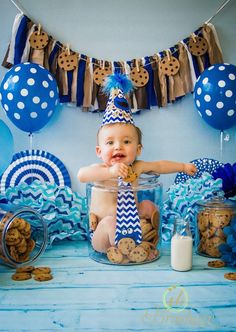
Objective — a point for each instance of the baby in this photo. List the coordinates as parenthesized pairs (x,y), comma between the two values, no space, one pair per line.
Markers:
(118,146)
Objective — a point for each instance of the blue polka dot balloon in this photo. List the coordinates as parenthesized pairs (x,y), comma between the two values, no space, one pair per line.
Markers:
(29,96)
(215,96)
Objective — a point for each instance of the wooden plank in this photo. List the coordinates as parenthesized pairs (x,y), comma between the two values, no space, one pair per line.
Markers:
(74,271)
(87,296)
(113,297)
(75,277)
(68,253)
(117,320)
(65,261)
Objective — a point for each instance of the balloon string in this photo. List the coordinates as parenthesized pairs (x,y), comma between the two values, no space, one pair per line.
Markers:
(30,141)
(31,152)
(221,145)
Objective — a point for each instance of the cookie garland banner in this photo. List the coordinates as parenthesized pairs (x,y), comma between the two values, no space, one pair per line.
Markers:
(160,79)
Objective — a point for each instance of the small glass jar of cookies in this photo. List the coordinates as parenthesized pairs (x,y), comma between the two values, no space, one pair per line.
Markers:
(113,233)
(23,235)
(212,217)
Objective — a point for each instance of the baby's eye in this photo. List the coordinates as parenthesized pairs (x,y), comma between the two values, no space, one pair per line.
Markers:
(127,141)
(109,142)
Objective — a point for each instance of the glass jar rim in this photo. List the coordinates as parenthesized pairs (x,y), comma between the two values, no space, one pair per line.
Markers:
(217,202)
(145,181)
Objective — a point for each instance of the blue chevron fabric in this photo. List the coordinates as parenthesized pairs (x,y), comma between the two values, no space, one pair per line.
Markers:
(63,210)
(127,219)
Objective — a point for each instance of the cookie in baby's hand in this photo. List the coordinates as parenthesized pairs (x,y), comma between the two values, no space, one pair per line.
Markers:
(132,176)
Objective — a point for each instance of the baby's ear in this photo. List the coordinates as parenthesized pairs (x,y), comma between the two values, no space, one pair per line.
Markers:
(139,149)
(98,151)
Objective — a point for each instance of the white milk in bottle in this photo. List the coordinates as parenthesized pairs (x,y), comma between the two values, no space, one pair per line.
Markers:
(181,246)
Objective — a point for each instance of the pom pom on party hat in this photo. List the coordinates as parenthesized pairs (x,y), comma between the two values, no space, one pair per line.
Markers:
(117,109)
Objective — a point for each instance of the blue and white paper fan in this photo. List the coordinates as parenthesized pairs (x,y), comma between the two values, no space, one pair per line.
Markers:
(30,165)
(203,165)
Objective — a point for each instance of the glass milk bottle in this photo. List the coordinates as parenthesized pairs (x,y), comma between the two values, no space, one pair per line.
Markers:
(181,246)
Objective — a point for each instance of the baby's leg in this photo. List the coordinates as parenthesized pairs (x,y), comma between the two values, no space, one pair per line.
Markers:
(146,209)
(104,235)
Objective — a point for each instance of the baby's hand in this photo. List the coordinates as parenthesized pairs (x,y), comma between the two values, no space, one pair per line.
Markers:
(190,169)
(119,170)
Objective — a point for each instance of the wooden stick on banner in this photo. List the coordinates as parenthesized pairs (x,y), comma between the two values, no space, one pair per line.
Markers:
(39,29)
(193,36)
(68,49)
(137,65)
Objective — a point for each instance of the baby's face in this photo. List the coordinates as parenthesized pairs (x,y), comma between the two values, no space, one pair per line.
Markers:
(118,143)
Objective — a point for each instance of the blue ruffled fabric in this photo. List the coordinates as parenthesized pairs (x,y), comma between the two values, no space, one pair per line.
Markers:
(182,201)
(228,175)
(63,210)
(228,249)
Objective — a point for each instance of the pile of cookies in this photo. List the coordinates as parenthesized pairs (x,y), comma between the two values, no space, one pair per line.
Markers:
(210,227)
(18,239)
(127,252)
(27,272)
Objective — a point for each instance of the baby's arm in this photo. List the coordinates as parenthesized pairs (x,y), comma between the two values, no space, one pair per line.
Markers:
(102,172)
(165,167)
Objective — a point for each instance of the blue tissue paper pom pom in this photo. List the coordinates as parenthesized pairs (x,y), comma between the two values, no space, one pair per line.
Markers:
(117,81)
(228,249)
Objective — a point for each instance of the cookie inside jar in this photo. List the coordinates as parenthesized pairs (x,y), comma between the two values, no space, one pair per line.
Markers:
(121,245)
(23,236)
(212,217)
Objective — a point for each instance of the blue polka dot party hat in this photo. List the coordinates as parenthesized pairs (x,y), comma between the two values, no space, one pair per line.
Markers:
(118,111)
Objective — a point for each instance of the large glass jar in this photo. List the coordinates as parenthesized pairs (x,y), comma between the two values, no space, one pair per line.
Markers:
(23,236)
(102,222)
(212,217)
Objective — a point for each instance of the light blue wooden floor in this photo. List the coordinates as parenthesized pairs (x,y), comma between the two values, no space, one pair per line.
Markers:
(88,296)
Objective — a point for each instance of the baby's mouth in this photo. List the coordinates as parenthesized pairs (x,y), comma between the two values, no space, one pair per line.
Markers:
(118,156)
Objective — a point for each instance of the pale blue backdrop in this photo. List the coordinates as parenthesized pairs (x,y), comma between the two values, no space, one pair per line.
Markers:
(122,30)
